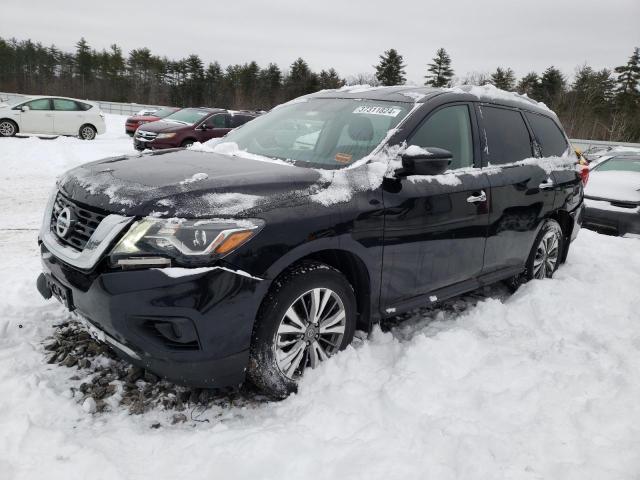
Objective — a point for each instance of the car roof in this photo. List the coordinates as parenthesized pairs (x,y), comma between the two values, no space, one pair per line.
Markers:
(414,94)
(36,97)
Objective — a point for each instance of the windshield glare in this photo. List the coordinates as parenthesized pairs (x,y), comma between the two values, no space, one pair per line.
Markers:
(188,115)
(325,132)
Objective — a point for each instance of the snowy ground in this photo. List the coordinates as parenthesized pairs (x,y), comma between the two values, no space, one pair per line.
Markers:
(541,384)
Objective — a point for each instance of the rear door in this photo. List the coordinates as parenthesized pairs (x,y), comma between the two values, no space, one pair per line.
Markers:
(552,144)
(435,226)
(522,192)
(39,117)
(68,116)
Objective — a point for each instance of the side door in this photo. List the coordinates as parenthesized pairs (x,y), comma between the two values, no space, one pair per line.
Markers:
(213,127)
(552,143)
(38,118)
(522,192)
(435,226)
(68,117)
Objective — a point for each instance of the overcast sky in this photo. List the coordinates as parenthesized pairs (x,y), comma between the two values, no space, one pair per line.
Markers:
(345,34)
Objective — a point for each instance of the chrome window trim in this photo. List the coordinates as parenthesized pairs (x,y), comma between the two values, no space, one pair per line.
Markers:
(96,246)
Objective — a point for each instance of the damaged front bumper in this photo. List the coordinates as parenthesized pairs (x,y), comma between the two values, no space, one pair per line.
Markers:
(193,330)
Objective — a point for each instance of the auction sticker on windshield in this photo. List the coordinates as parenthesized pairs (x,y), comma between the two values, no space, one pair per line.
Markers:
(372,110)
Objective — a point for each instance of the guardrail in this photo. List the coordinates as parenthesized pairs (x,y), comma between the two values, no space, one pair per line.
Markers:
(107,107)
(585,145)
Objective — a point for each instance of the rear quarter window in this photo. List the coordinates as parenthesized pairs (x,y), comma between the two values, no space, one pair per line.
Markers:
(237,120)
(550,137)
(507,136)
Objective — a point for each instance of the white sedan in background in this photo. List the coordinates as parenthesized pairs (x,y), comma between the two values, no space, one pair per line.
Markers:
(51,116)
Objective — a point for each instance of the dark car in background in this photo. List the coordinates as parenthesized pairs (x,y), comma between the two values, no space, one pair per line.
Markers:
(262,258)
(132,123)
(612,197)
(189,125)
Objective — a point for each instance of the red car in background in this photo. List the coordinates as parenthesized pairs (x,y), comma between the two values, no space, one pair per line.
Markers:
(135,121)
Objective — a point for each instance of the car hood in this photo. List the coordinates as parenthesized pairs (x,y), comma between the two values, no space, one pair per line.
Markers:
(187,183)
(143,118)
(614,186)
(165,126)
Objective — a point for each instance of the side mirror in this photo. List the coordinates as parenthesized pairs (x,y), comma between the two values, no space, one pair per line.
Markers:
(25,108)
(204,126)
(425,161)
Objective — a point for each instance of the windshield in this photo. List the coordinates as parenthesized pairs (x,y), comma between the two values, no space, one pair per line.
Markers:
(163,112)
(326,132)
(188,116)
(623,164)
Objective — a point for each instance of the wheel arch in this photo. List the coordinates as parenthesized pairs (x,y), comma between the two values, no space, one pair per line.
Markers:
(347,263)
(12,120)
(566,223)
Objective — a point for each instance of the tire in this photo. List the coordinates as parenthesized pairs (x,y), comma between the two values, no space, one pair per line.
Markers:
(285,342)
(187,143)
(87,132)
(8,128)
(545,256)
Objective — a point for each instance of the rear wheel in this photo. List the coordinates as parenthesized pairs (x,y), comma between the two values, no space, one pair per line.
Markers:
(8,128)
(544,257)
(310,316)
(87,132)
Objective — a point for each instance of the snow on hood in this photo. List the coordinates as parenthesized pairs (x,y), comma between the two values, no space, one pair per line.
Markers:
(614,185)
(186,183)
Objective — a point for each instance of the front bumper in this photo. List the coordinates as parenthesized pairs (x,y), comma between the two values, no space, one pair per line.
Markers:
(193,330)
(155,144)
(603,217)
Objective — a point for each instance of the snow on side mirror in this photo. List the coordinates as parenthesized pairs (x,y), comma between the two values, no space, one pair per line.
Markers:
(424,161)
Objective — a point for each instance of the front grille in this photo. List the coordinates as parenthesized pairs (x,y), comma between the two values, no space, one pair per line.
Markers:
(146,135)
(84,222)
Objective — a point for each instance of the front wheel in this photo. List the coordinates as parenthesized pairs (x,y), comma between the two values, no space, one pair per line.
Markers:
(8,128)
(310,316)
(87,132)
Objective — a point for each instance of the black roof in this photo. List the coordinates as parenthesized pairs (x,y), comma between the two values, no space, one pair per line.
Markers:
(412,94)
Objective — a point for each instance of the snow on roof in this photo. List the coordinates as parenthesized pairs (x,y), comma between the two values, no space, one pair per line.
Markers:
(490,93)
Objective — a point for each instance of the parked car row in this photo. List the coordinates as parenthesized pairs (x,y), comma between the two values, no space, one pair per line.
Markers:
(186,126)
(51,116)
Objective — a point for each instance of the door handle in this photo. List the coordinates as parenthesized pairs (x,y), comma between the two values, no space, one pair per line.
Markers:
(477,198)
(548,183)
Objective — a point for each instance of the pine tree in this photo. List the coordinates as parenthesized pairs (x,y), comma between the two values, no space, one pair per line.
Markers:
(528,85)
(440,70)
(301,80)
(629,75)
(551,87)
(84,64)
(504,79)
(390,70)
(329,79)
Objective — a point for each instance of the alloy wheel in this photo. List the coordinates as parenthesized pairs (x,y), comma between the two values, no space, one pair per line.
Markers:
(7,129)
(547,253)
(87,133)
(310,331)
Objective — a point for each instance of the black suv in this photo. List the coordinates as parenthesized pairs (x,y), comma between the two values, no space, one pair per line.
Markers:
(262,257)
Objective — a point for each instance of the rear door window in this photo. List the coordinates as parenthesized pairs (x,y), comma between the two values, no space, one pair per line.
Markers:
(237,120)
(507,137)
(64,104)
(448,128)
(551,139)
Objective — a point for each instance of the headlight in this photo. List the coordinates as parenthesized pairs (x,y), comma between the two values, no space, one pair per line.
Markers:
(166,135)
(160,242)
